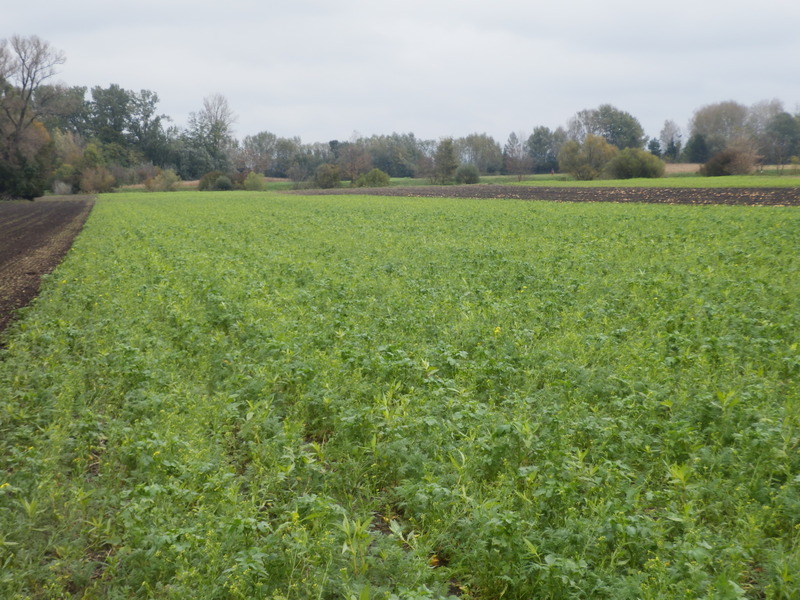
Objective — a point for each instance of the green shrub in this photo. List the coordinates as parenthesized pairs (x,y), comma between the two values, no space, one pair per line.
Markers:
(327,176)
(586,160)
(375,178)
(165,180)
(24,177)
(223,183)
(209,180)
(254,182)
(68,174)
(634,162)
(468,174)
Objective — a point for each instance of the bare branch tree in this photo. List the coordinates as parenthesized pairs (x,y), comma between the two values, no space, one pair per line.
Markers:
(25,64)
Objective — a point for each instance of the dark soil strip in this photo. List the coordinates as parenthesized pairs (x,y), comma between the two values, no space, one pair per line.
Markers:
(697,196)
(34,238)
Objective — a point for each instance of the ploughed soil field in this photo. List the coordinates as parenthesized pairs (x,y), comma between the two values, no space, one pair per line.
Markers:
(733,196)
(34,237)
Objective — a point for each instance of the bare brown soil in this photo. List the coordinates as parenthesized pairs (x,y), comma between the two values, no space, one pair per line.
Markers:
(34,237)
(697,196)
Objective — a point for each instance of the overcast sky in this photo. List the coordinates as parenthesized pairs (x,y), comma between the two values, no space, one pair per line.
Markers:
(323,70)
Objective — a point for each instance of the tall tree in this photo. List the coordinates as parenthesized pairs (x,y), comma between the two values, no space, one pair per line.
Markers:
(396,154)
(445,161)
(516,159)
(586,160)
(782,137)
(110,110)
(697,150)
(654,147)
(353,158)
(146,127)
(25,145)
(543,147)
(759,116)
(209,137)
(127,124)
(257,152)
(69,109)
(287,151)
(617,127)
(722,124)
(482,151)
(25,64)
(670,138)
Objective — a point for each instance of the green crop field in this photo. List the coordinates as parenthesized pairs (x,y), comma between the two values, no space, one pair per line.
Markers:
(255,395)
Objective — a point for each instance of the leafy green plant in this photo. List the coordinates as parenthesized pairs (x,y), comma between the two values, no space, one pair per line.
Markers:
(165,180)
(634,162)
(353,395)
(467,174)
(586,160)
(209,180)
(327,176)
(373,178)
(223,183)
(254,182)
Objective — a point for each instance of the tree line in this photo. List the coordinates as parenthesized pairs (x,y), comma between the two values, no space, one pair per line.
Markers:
(71,139)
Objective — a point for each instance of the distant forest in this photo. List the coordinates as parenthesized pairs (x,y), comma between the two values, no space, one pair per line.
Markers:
(75,139)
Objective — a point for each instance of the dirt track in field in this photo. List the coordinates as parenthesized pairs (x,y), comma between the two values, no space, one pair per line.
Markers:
(34,237)
(696,196)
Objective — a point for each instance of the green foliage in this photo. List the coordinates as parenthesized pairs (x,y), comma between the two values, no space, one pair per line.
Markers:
(348,396)
(25,177)
(223,183)
(481,150)
(165,180)
(445,162)
(783,138)
(209,180)
(654,147)
(633,163)
(544,146)
(207,143)
(254,182)
(696,149)
(721,124)
(615,126)
(586,160)
(126,123)
(374,178)
(468,174)
(516,159)
(728,162)
(327,176)
(92,157)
